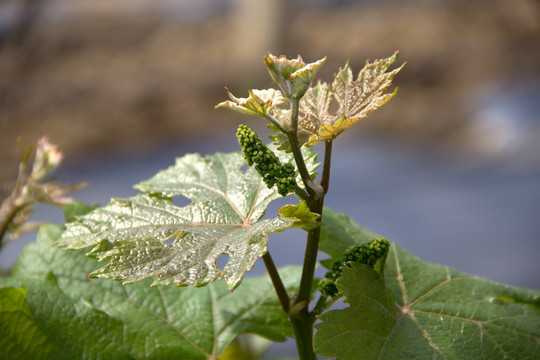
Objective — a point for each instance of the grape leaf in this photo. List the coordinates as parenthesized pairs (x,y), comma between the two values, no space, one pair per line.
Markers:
(355,99)
(340,233)
(223,219)
(426,311)
(305,219)
(22,337)
(259,102)
(81,318)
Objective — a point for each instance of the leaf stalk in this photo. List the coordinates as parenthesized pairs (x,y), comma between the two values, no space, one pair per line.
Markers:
(292,135)
(283,297)
(275,122)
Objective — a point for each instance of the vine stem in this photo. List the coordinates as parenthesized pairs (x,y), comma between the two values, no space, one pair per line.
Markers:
(9,209)
(275,122)
(302,320)
(312,246)
(298,310)
(276,281)
(325,180)
(295,147)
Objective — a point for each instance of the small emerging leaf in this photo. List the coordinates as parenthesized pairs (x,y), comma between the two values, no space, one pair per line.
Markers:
(259,102)
(355,99)
(46,160)
(281,141)
(305,219)
(292,75)
(18,200)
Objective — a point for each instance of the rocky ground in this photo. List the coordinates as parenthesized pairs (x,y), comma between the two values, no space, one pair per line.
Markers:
(99,79)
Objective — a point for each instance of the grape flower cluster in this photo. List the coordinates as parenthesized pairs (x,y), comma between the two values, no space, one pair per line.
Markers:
(266,162)
(367,253)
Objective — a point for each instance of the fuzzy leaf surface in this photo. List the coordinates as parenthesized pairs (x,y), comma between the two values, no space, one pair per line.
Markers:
(355,99)
(426,311)
(259,102)
(82,318)
(148,236)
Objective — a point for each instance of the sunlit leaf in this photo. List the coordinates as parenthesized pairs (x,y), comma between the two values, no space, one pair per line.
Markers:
(305,219)
(354,99)
(292,75)
(148,236)
(259,102)
(315,107)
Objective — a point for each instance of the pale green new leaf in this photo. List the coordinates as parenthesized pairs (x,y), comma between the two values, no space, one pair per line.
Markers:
(149,236)
(293,76)
(315,106)
(305,219)
(355,99)
(425,311)
(281,141)
(67,316)
(259,102)
(301,79)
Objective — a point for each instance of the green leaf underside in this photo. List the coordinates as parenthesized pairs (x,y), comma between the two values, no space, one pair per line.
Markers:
(426,311)
(72,317)
(148,236)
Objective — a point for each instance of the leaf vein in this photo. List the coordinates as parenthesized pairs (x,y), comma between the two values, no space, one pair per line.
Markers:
(128,299)
(483,331)
(398,319)
(435,288)
(426,336)
(399,277)
(245,311)
(476,322)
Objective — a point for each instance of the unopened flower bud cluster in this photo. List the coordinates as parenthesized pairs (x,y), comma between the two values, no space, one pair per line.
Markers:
(368,253)
(266,162)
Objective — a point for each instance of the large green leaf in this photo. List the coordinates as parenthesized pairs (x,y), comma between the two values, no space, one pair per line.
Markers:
(426,311)
(21,336)
(69,316)
(223,219)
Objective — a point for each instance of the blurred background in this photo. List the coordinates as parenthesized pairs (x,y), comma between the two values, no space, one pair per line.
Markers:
(449,169)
